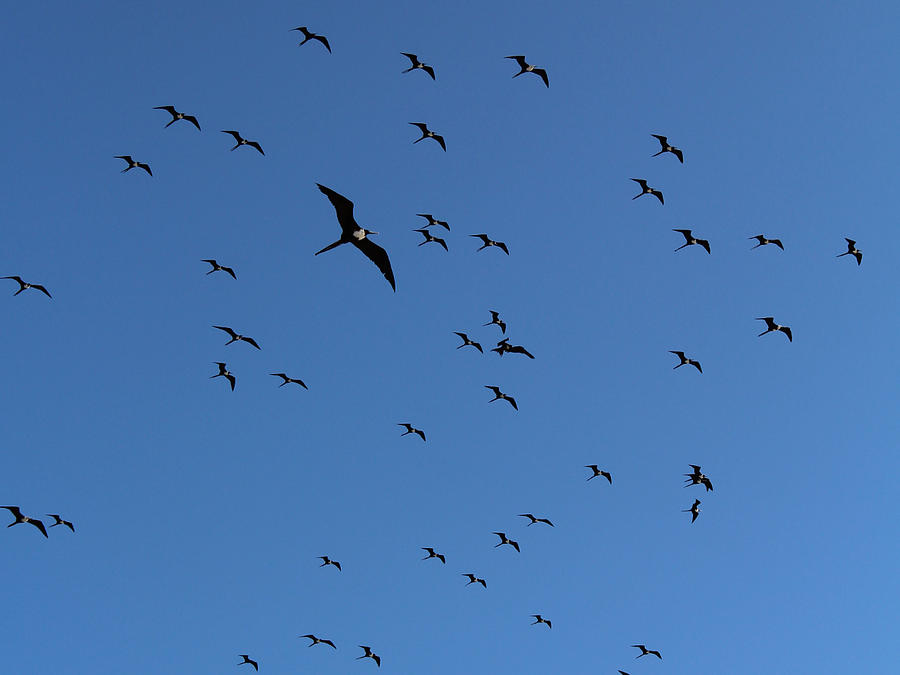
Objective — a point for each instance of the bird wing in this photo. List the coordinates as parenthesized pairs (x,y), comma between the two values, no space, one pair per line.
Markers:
(343,207)
(512,402)
(777,242)
(518,59)
(607,475)
(324,41)
(169,108)
(231,272)
(704,243)
(227,330)
(685,233)
(429,70)
(515,545)
(145,167)
(543,75)
(787,331)
(420,432)
(441,242)
(663,141)
(440,139)
(251,341)
(640,181)
(40,525)
(13,510)
(696,364)
(422,126)
(502,247)
(193,120)
(658,195)
(300,382)
(412,58)
(231,379)
(254,144)
(42,289)
(678,154)
(237,136)
(378,256)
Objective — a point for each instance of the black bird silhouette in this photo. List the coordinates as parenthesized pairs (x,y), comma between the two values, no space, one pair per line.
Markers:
(496,320)
(622,672)
(247,659)
(177,116)
(317,641)
(690,240)
(132,164)
(329,561)
(25,286)
(772,326)
(852,250)
(432,221)
(694,511)
(351,233)
(240,140)
(307,36)
(237,338)
(539,619)
(696,477)
(597,472)
(223,372)
(645,651)
(418,64)
(430,237)
(535,520)
(410,429)
(761,238)
(60,521)
(433,554)
(664,142)
(500,395)
(370,654)
(506,540)
(685,361)
(503,347)
(526,68)
(473,579)
(216,267)
(19,518)
(288,380)
(467,342)
(487,241)
(426,133)
(647,190)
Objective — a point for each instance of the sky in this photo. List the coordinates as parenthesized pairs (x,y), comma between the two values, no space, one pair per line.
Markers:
(200,512)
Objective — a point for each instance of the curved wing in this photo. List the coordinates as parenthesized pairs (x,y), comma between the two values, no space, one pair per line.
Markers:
(374,253)
(343,207)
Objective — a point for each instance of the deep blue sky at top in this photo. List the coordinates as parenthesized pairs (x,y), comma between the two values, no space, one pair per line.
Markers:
(200,511)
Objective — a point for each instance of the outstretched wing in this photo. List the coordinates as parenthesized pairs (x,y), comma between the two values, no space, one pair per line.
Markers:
(344,209)
(376,254)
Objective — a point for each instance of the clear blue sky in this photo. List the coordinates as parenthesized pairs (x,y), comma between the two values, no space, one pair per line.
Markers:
(200,511)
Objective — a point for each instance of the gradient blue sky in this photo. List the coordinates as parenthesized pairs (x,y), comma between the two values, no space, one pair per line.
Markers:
(200,512)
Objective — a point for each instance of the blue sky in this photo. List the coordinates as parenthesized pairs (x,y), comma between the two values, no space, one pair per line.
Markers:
(200,511)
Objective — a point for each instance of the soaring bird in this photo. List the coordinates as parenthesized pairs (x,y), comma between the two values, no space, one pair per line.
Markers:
(694,511)
(351,233)
(430,237)
(25,286)
(432,221)
(539,619)
(647,190)
(622,672)
(318,641)
(664,143)
(237,338)
(597,472)
(433,554)
(498,395)
(772,326)
(240,140)
(496,320)
(19,518)
(852,250)
(645,651)
(487,241)
(690,240)
(329,561)
(506,540)
(223,372)
(60,521)
(216,267)
(247,659)
(307,36)
(410,429)
(177,116)
(761,238)
(685,361)
(418,64)
(427,133)
(503,347)
(370,654)
(535,520)
(526,68)
(133,164)
(288,380)
(473,580)
(467,342)
(696,477)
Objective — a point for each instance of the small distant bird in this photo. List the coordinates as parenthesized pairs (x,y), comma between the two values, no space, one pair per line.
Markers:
(60,521)
(329,561)
(761,238)
(473,579)
(690,240)
(247,659)
(426,133)
(506,540)
(772,326)
(216,267)
(685,361)
(852,250)
(224,373)
(526,68)
(487,241)
(410,429)
(664,142)
(597,472)
(498,395)
(496,320)
(622,672)
(503,347)
(25,286)
(696,477)
(430,237)
(318,641)
(370,654)
(307,36)
(647,190)
(645,651)
(535,520)
(132,164)
(539,619)
(467,342)
(418,64)
(177,116)
(237,338)
(432,221)
(240,140)
(694,511)
(288,380)
(433,554)
(19,518)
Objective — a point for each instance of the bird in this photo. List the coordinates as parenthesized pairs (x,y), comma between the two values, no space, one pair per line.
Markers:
(500,395)
(370,654)
(329,561)
(351,233)
(427,133)
(132,164)
(433,554)
(177,116)
(247,659)
(307,36)
(430,237)
(664,143)
(645,651)
(223,372)
(467,342)
(25,286)
(772,326)
(410,429)
(496,320)
(597,472)
(19,518)
(698,478)
(535,520)
(288,380)
(504,347)
(852,250)
(418,64)
(539,619)
(685,361)
(216,267)
(60,521)
(434,221)
(690,240)
(316,641)
(240,140)
(506,540)
(694,511)
(487,241)
(622,672)
(526,68)
(647,190)
(761,238)
(237,338)
(473,579)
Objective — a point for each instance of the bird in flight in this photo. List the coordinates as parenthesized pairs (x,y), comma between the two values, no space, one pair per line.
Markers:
(696,477)
(132,164)
(467,342)
(504,347)
(526,68)
(19,518)
(432,221)
(240,140)
(645,651)
(223,372)
(60,521)
(647,190)
(473,580)
(351,233)
(307,36)
(427,133)
(288,380)
(694,511)
(370,654)
(317,641)
(329,561)
(418,64)
(430,237)
(487,241)
(498,395)
(496,320)
(433,554)
(685,361)
(664,143)
(177,116)
(25,286)
(247,659)
(506,540)
(237,338)
(410,429)
(772,326)
(852,250)
(597,472)
(535,520)
(690,240)
(539,619)
(761,238)
(216,267)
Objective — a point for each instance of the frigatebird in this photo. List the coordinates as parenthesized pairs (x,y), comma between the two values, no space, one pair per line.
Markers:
(664,143)
(329,561)
(691,240)
(526,68)
(25,286)
(351,233)
(539,619)
(223,372)
(288,380)
(504,347)
(696,477)
(177,116)
(60,521)
(496,320)
(852,250)
(237,338)
(772,326)
(647,190)
(318,641)
(498,395)
(473,579)
(410,429)
(506,540)
(761,238)
(133,164)
(427,133)
(487,241)
(216,267)
(307,36)
(432,221)
(685,361)
(240,140)
(430,237)
(694,511)
(467,342)
(370,654)
(597,472)
(433,554)
(20,518)
(535,520)
(418,64)
(645,651)
(247,659)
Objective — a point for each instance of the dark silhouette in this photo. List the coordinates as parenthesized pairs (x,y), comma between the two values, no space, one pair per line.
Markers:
(473,579)
(216,267)
(329,561)
(426,133)
(418,64)
(410,429)
(247,659)
(647,190)
(20,518)
(430,237)
(664,143)
(240,140)
(535,520)
(852,250)
(696,477)
(133,164)
(223,372)
(694,511)
(467,342)
(23,286)
(539,619)
(432,221)
(307,36)
(763,241)
(433,554)
(60,521)
(177,116)
(318,641)
(772,326)
(685,361)
(487,241)
(691,240)
(506,540)
(597,472)
(498,395)
(370,654)
(503,347)
(526,68)
(645,651)
(288,380)
(237,338)
(495,316)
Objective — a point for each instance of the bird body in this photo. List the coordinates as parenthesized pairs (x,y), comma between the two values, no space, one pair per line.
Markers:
(645,651)
(240,140)
(473,580)
(852,250)
(318,641)
(433,554)
(427,133)
(534,520)
(416,64)
(696,477)
(597,472)
(685,361)
(307,36)
(177,116)
(772,326)
(288,380)
(467,342)
(223,372)
(370,654)
(432,221)
(762,241)
(503,347)
(60,521)
(498,395)
(430,237)
(21,518)
(23,286)
(236,337)
(528,68)
(410,429)
(506,540)
(216,267)
(694,511)
(487,241)
(132,164)
(329,561)
(495,319)
(647,190)
(665,147)
(539,619)
(691,240)
(247,659)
